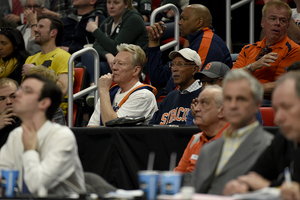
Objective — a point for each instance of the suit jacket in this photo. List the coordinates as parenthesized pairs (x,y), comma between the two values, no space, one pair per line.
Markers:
(204,178)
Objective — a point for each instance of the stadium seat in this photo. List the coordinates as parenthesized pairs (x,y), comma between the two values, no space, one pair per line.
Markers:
(79,84)
(268,115)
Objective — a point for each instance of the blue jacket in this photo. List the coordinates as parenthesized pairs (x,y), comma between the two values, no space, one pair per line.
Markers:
(214,50)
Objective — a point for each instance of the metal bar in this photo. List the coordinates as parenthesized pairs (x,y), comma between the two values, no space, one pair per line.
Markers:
(176,44)
(239,4)
(251,22)
(70,80)
(228,25)
(230,8)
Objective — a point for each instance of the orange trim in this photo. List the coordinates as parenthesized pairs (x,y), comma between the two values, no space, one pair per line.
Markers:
(127,96)
(205,44)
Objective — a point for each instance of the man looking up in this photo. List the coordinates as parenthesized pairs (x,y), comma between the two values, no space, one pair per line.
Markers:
(195,25)
(210,118)
(129,97)
(44,153)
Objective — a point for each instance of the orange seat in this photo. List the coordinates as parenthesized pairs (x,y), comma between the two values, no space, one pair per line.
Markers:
(79,84)
(268,115)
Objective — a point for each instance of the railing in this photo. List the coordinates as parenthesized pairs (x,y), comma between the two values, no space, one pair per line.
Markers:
(72,97)
(230,8)
(175,43)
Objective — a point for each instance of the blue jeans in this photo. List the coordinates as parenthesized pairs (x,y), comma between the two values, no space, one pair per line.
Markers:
(88,61)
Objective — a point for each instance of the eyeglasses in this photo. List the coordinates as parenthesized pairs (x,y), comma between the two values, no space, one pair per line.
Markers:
(30,7)
(26,90)
(210,81)
(180,64)
(4,29)
(263,52)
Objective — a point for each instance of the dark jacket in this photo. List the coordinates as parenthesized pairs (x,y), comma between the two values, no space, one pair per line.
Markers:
(75,36)
(131,30)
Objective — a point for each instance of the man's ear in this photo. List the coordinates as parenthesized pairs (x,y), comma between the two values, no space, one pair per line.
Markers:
(199,22)
(45,103)
(221,112)
(53,33)
(93,2)
(196,69)
(136,70)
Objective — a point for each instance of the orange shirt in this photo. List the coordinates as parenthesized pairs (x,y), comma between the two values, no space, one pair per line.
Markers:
(190,156)
(288,52)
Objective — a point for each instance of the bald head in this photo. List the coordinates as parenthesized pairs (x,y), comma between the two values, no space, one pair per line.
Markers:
(202,11)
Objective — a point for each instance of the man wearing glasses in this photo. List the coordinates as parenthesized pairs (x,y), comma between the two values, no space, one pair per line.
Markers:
(45,153)
(176,105)
(267,59)
(212,74)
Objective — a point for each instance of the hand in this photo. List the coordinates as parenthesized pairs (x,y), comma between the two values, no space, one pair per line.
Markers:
(110,59)
(92,26)
(290,192)
(45,11)
(234,187)
(13,17)
(29,137)
(104,82)
(170,13)
(255,181)
(146,19)
(7,118)
(156,31)
(25,68)
(65,48)
(30,16)
(264,61)
(193,105)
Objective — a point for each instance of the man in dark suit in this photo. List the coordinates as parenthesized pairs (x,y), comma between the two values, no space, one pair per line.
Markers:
(233,154)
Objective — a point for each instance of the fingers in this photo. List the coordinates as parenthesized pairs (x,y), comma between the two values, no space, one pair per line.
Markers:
(96,20)
(157,29)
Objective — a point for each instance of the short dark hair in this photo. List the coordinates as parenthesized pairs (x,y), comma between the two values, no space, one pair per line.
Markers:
(49,90)
(57,24)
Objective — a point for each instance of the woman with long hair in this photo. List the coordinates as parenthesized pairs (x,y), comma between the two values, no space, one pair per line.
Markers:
(12,53)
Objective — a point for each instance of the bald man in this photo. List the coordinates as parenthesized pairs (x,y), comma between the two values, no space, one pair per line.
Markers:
(196,26)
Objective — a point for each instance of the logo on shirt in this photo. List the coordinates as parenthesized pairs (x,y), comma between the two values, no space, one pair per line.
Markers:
(178,114)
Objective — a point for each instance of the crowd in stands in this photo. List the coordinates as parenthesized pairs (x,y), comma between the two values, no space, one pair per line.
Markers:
(201,86)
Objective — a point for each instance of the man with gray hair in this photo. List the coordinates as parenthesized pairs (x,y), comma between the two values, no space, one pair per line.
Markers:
(129,97)
(210,118)
(241,144)
(284,152)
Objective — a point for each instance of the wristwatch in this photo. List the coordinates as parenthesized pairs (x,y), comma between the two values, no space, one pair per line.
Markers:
(249,68)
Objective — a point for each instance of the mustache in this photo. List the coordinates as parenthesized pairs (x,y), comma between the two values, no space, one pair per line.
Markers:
(176,74)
